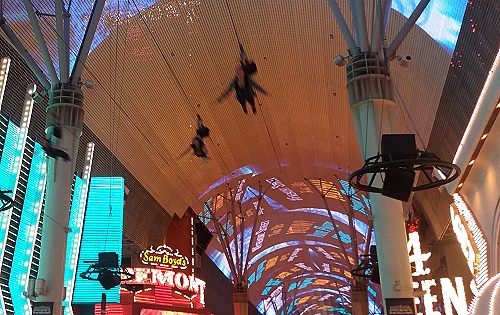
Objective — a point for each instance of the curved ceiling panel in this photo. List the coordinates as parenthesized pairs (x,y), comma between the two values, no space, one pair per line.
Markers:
(299,247)
(156,64)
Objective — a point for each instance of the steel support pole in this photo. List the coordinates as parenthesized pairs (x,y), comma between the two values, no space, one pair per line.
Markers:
(359,20)
(374,113)
(24,53)
(87,41)
(376,43)
(61,45)
(66,103)
(41,41)
(385,6)
(391,51)
(66,36)
(344,29)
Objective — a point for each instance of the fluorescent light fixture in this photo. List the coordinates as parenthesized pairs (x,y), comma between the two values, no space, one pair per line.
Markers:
(11,172)
(4,72)
(26,237)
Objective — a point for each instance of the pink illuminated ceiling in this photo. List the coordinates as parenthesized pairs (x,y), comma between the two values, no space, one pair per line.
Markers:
(155,65)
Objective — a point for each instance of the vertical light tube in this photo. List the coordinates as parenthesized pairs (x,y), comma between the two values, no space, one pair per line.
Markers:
(4,72)
(76,225)
(6,216)
(26,238)
(486,104)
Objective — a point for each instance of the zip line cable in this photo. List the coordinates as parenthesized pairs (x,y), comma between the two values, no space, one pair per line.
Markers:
(268,133)
(232,22)
(112,145)
(256,97)
(412,123)
(172,72)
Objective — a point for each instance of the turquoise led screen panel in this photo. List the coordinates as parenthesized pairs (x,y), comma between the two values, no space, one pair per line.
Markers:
(102,232)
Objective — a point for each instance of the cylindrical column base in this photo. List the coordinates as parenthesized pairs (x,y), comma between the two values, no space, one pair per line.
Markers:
(392,252)
(359,297)
(240,300)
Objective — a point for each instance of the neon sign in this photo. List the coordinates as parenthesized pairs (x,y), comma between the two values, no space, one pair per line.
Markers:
(160,277)
(451,298)
(471,240)
(164,256)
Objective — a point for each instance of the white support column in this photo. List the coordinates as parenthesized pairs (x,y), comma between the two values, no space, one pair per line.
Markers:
(66,104)
(76,224)
(374,113)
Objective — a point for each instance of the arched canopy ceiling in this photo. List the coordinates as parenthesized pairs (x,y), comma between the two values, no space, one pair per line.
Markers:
(156,64)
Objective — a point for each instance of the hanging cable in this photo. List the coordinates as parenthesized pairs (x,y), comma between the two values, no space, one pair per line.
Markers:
(269,133)
(171,70)
(234,26)
(167,64)
(409,116)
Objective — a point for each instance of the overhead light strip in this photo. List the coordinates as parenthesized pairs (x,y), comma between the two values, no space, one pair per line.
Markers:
(485,108)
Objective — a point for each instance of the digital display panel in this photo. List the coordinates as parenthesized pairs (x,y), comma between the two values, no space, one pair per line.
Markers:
(442,20)
(106,195)
(294,246)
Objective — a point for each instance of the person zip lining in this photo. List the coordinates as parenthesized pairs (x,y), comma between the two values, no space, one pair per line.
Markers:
(197,144)
(243,84)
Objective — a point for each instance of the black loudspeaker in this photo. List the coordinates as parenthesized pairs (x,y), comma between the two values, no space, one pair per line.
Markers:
(203,237)
(399,146)
(108,260)
(108,279)
(375,277)
(398,183)
(126,261)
